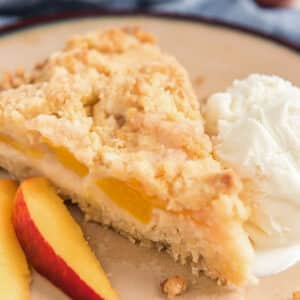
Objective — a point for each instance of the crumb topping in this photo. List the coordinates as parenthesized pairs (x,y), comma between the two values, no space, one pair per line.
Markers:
(124,108)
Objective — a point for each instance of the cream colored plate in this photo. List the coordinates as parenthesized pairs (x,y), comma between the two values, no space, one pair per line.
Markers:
(213,56)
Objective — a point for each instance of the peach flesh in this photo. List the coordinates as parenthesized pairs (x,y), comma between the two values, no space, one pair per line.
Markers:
(46,261)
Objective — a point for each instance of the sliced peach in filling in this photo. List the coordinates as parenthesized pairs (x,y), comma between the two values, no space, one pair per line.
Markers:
(128,197)
(30,151)
(68,159)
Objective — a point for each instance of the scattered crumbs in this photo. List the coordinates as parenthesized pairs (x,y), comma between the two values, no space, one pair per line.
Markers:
(132,240)
(174,286)
(199,80)
(87,218)
(296,295)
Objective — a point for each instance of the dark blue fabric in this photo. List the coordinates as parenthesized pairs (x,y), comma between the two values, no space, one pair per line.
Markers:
(281,22)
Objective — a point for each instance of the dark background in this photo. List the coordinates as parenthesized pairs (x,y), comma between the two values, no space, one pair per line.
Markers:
(282,22)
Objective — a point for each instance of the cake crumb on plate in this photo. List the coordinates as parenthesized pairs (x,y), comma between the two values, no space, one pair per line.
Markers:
(296,295)
(174,286)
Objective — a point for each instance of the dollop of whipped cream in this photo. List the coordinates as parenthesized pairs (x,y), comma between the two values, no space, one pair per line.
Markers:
(256,129)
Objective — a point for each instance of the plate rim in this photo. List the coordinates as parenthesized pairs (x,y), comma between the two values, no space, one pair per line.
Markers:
(31,22)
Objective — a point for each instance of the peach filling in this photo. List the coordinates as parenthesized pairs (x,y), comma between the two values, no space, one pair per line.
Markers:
(68,160)
(29,151)
(65,157)
(130,198)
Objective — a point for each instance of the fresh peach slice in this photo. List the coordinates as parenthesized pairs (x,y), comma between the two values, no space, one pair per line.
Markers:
(14,271)
(54,243)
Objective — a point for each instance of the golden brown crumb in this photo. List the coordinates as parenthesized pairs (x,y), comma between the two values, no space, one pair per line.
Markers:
(141,35)
(174,286)
(296,295)
(14,79)
(39,65)
(225,182)
(199,80)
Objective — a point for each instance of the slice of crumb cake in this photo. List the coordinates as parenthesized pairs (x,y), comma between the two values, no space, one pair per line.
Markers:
(114,124)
